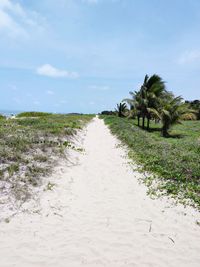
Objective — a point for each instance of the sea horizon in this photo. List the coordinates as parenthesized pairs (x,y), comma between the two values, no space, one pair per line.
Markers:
(8,112)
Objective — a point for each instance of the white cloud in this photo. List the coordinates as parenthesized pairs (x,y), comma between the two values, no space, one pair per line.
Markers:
(5,3)
(189,57)
(100,87)
(50,71)
(16,21)
(9,26)
(49,92)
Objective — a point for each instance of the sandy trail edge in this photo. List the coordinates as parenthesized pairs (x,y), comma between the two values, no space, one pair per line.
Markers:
(99,215)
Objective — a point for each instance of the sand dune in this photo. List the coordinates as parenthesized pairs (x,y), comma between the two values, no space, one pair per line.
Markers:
(99,215)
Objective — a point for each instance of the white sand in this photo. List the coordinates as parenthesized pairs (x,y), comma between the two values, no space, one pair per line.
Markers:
(99,215)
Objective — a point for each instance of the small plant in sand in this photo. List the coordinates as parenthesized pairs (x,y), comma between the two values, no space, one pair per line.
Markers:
(50,186)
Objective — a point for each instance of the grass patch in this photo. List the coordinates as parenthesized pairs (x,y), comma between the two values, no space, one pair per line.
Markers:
(29,146)
(2,117)
(175,159)
(33,114)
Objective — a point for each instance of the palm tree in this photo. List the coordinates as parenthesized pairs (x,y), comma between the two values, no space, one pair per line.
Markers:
(172,112)
(146,101)
(121,109)
(135,104)
(154,88)
(195,105)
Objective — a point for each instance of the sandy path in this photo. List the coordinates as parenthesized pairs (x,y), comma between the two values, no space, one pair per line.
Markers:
(98,215)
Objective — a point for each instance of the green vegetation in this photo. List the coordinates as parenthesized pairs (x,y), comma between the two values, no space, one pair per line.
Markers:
(166,143)
(30,144)
(175,160)
(195,105)
(154,102)
(107,112)
(33,114)
(2,117)
(121,109)
(171,112)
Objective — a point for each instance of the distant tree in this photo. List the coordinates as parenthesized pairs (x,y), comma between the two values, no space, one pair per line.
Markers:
(146,101)
(155,91)
(121,109)
(107,112)
(153,101)
(195,105)
(172,112)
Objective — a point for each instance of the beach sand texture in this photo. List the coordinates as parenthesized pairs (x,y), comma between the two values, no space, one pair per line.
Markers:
(99,215)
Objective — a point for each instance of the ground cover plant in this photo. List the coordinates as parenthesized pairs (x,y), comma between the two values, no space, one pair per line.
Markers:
(33,114)
(175,160)
(29,145)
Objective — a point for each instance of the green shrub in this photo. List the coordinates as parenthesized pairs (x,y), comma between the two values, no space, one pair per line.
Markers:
(33,114)
(2,117)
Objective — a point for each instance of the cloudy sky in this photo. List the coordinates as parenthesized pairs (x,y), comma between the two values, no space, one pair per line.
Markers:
(86,55)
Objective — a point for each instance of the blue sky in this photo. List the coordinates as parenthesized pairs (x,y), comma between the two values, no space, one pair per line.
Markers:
(86,55)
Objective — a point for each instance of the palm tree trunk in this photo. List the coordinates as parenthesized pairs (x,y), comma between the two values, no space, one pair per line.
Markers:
(148,123)
(165,132)
(143,122)
(138,118)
